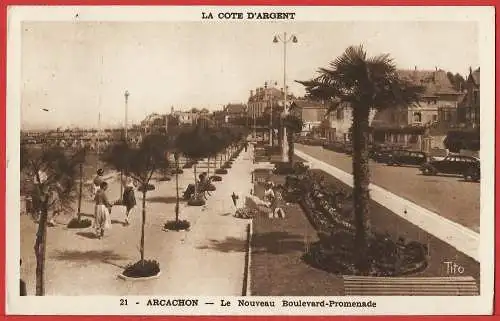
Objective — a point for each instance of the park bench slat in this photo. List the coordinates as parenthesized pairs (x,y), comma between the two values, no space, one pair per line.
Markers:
(415,286)
(420,279)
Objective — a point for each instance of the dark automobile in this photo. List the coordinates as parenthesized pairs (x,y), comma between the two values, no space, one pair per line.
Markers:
(406,157)
(466,166)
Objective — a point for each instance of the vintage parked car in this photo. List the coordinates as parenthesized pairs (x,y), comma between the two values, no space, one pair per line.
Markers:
(466,166)
(380,152)
(406,157)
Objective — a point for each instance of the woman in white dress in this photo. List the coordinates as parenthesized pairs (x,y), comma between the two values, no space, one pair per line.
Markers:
(103,210)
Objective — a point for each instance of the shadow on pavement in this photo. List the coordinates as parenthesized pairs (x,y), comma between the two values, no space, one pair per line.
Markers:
(230,244)
(93,255)
(278,243)
(164,199)
(89,235)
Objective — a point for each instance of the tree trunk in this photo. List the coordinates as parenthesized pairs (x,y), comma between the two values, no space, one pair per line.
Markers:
(195,183)
(143,221)
(290,147)
(80,193)
(177,192)
(40,247)
(361,173)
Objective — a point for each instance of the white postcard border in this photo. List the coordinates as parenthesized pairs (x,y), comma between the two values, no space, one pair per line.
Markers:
(108,305)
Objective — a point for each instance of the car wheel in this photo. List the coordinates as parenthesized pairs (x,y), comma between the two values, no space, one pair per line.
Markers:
(428,171)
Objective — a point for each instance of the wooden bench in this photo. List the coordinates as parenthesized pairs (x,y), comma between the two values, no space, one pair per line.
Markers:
(410,286)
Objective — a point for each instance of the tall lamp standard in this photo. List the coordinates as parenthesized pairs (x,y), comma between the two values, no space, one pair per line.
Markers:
(127,94)
(125,134)
(285,40)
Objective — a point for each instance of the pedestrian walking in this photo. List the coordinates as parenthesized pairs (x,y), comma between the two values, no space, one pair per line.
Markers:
(102,211)
(55,204)
(97,181)
(22,284)
(129,200)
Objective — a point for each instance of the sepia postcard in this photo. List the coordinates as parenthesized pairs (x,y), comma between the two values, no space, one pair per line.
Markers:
(211,160)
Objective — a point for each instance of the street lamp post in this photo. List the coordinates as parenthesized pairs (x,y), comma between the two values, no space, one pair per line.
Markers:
(127,94)
(285,40)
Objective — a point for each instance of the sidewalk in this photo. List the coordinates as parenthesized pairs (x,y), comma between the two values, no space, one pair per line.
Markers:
(207,260)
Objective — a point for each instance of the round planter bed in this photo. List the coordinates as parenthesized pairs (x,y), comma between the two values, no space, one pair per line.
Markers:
(181,225)
(165,179)
(221,171)
(179,171)
(211,188)
(82,223)
(146,278)
(216,178)
(196,202)
(141,271)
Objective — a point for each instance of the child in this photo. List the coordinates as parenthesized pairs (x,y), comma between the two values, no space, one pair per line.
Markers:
(278,211)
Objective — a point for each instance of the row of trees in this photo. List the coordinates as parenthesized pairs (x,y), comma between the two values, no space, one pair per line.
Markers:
(55,170)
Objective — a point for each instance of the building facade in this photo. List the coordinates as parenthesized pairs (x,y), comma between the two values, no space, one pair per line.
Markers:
(469,110)
(312,114)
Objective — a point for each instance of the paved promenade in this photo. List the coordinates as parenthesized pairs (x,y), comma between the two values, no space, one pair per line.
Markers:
(207,260)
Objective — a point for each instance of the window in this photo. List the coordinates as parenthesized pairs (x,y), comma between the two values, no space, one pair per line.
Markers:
(417,117)
(434,117)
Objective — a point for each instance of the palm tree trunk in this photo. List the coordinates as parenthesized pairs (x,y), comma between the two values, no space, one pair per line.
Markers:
(361,173)
(143,221)
(40,248)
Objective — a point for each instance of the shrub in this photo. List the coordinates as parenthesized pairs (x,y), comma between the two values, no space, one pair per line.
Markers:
(221,171)
(165,179)
(215,178)
(142,269)
(226,165)
(82,223)
(211,188)
(188,165)
(177,225)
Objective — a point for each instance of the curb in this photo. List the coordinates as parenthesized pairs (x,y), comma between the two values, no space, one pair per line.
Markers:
(247,291)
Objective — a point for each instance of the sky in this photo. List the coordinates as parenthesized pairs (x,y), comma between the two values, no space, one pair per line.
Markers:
(78,70)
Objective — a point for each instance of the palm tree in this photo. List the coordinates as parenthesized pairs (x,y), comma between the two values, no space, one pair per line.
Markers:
(293,125)
(54,172)
(140,163)
(365,83)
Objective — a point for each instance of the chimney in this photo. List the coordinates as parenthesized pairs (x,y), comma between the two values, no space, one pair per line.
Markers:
(265,85)
(251,93)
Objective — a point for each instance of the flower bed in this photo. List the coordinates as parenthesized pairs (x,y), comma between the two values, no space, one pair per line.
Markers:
(179,225)
(142,269)
(330,211)
(79,223)
(211,188)
(177,171)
